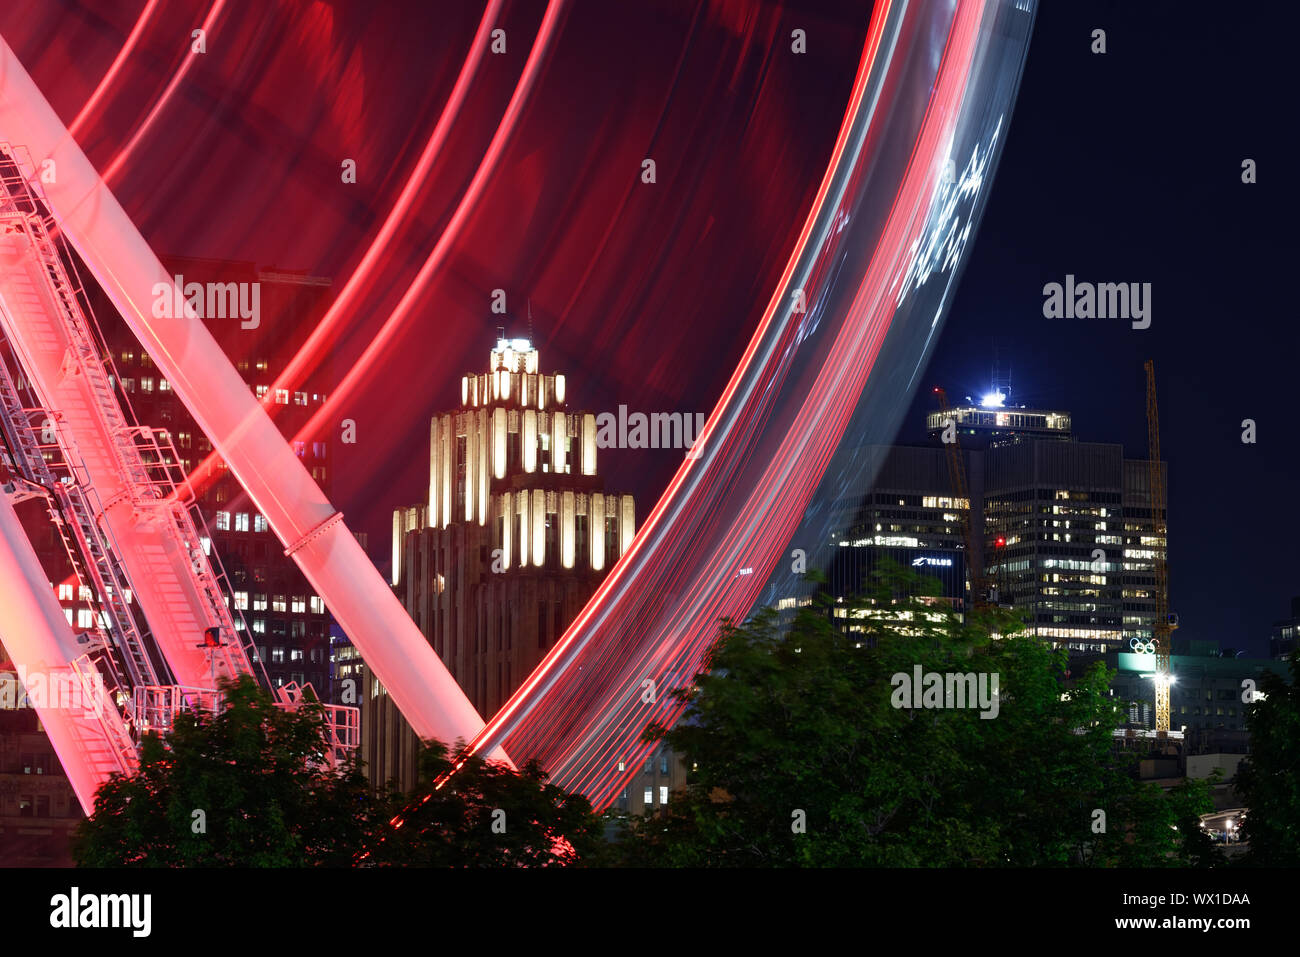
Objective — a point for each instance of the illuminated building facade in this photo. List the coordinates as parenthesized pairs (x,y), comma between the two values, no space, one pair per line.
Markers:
(1062,528)
(1282,641)
(38,809)
(517,533)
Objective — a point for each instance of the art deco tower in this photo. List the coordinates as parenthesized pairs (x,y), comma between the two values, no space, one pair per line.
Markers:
(517,533)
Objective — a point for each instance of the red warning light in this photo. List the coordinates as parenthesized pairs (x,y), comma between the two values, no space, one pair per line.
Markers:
(1000,542)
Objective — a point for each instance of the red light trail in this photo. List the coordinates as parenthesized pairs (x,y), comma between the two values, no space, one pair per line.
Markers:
(929,76)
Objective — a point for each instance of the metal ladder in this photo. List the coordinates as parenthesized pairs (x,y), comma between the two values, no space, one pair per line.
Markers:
(88,547)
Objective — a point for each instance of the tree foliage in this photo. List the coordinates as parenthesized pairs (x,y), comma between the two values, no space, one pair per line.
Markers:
(265,796)
(1269,777)
(799,756)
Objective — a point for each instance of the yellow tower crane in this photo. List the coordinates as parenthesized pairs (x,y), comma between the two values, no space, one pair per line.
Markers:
(1164,622)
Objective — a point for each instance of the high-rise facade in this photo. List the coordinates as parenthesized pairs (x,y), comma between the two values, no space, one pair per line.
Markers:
(517,533)
(1063,529)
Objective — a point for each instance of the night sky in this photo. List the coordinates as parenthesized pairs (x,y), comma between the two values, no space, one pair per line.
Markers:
(1126,167)
(1122,167)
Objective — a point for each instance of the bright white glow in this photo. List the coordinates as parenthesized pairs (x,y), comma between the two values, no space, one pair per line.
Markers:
(993,400)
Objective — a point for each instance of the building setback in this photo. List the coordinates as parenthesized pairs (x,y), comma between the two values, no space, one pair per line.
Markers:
(1062,528)
(516,535)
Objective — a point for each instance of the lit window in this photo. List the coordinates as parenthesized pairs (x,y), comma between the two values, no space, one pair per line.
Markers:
(259,626)
(260,391)
(164,385)
(663,794)
(300,398)
(86,619)
(295,654)
(128,385)
(282,396)
(300,449)
(259,603)
(259,522)
(318,449)
(317,605)
(277,656)
(241,522)
(299,605)
(65,592)
(146,383)
(223,521)
(241,601)
(278,603)
(649,796)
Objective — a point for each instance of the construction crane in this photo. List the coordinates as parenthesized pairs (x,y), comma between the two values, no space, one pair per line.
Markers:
(983,593)
(1164,622)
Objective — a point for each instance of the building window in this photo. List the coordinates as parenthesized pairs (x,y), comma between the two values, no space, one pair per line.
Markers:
(241,522)
(277,656)
(295,654)
(259,603)
(65,592)
(278,603)
(241,601)
(223,521)
(300,398)
(649,797)
(259,522)
(146,383)
(282,396)
(663,794)
(260,391)
(317,605)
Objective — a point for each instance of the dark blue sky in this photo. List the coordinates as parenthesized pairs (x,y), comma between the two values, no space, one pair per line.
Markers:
(1126,167)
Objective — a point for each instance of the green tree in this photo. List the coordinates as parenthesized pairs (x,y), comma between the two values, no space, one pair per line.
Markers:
(266,797)
(488,815)
(801,756)
(1269,777)
(246,786)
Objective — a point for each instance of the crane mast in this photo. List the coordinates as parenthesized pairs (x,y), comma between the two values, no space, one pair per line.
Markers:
(980,586)
(1164,623)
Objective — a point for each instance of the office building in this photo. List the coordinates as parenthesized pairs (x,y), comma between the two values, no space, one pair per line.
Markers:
(516,534)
